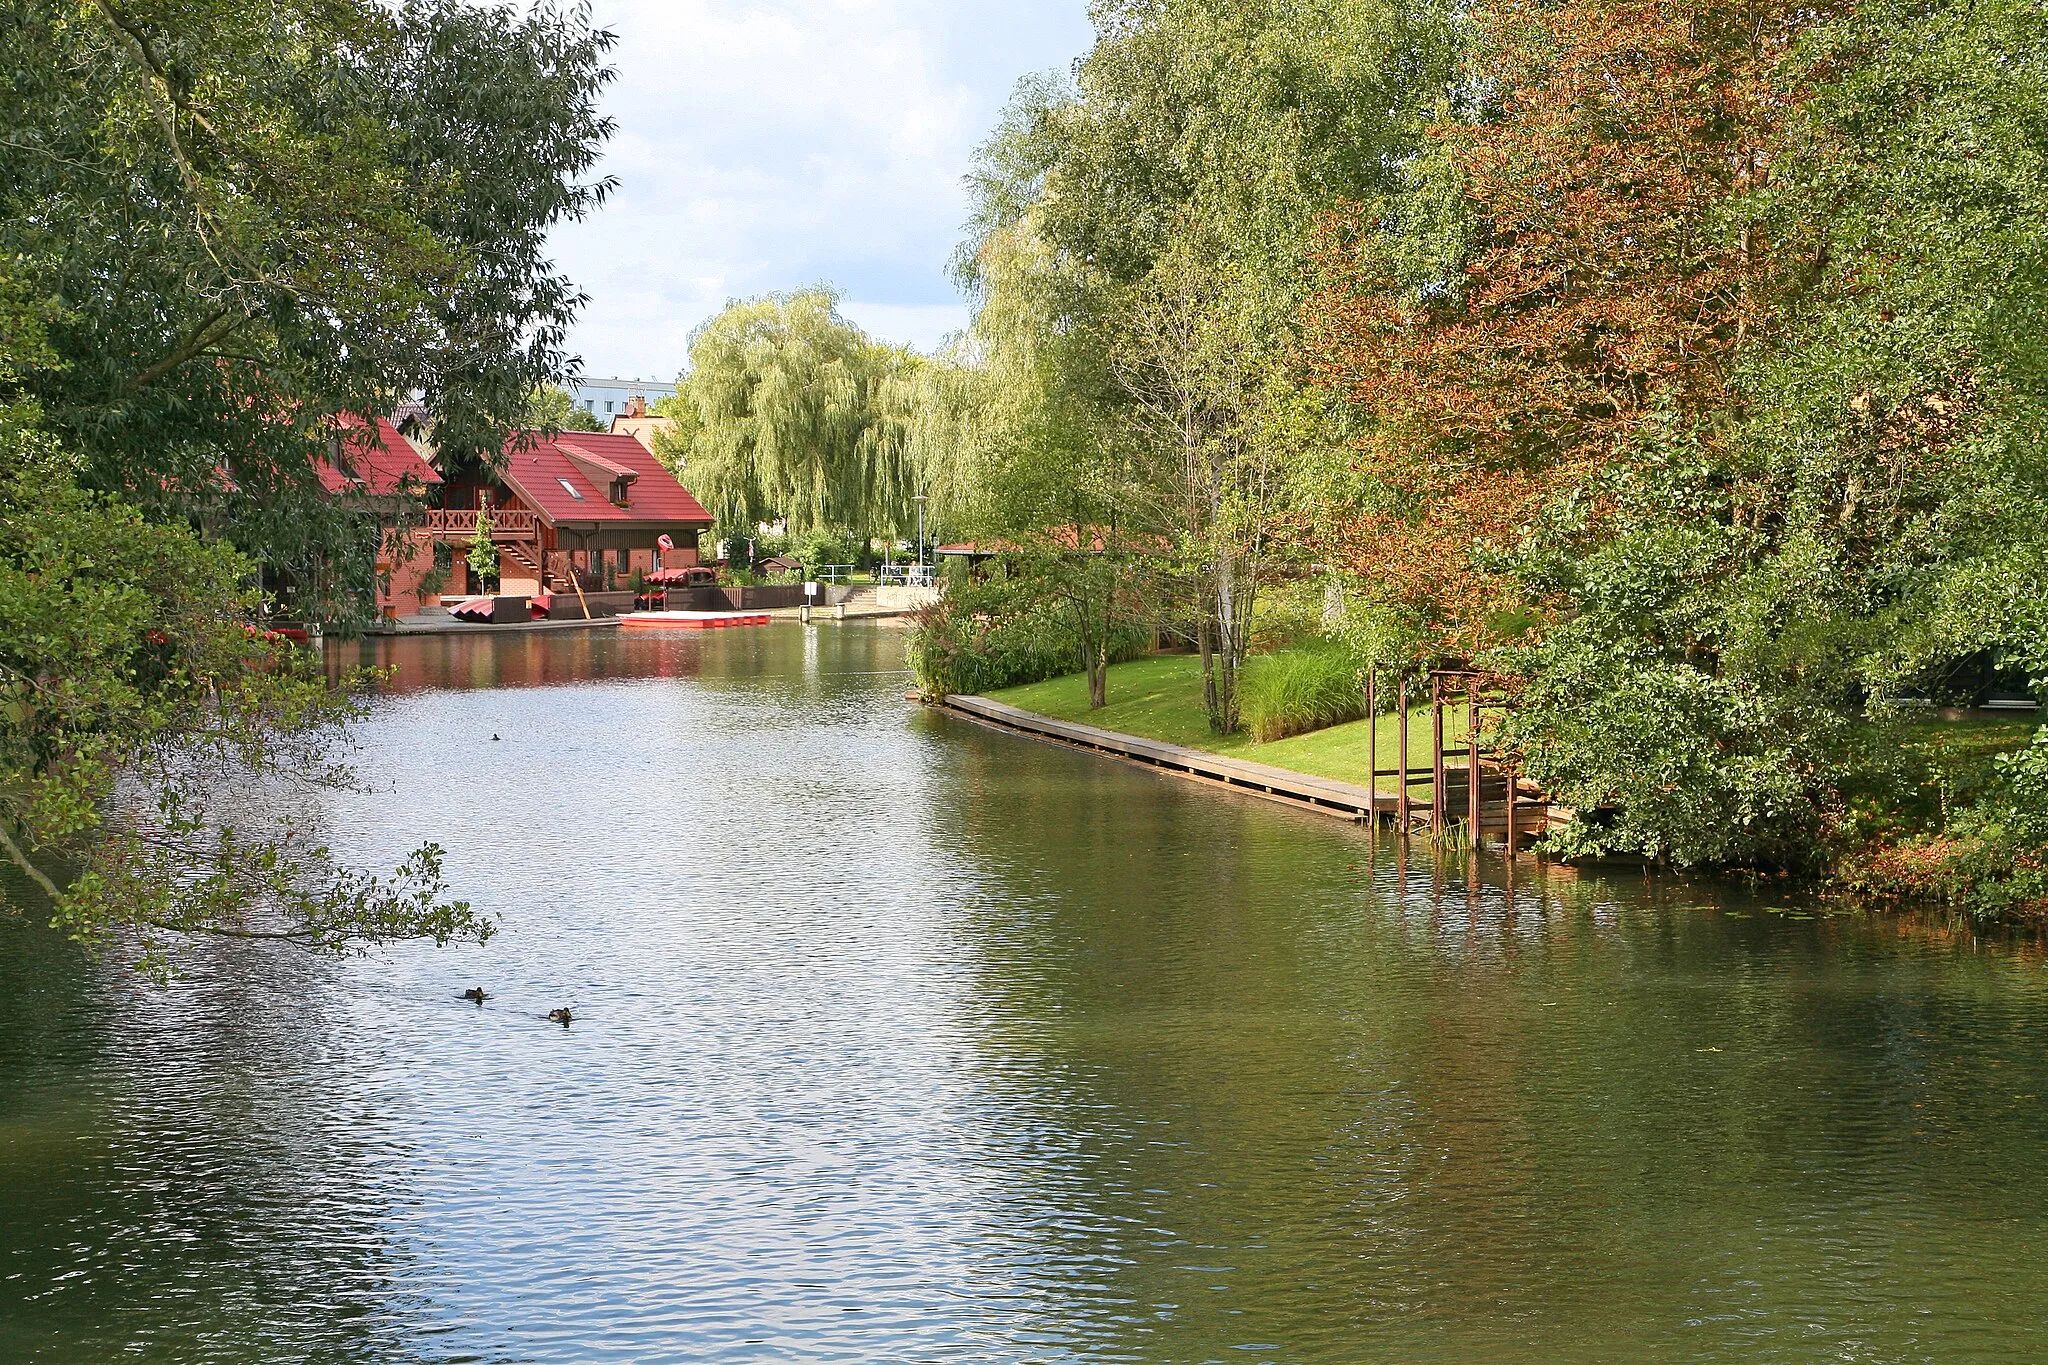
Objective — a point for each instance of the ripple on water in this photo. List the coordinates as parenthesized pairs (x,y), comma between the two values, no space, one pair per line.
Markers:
(899,1039)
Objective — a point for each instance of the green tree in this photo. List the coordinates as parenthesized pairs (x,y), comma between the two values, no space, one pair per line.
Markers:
(551,408)
(257,215)
(1172,193)
(155,746)
(785,420)
(483,550)
(221,224)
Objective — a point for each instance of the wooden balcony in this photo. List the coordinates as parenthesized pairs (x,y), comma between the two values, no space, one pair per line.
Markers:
(458,524)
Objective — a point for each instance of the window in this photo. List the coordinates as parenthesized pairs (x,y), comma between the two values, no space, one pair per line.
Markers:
(570,489)
(607,406)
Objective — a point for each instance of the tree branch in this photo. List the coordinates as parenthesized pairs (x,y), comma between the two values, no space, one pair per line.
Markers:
(35,874)
(197,342)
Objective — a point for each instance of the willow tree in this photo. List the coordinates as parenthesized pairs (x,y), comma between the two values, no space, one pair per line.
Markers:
(785,419)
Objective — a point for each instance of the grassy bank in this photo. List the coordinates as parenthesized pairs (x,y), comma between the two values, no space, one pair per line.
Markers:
(1160,697)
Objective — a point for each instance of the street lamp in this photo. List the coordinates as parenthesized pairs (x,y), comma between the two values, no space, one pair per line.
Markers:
(919,500)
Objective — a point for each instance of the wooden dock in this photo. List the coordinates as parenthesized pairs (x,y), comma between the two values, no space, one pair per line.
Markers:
(1328,796)
(1323,794)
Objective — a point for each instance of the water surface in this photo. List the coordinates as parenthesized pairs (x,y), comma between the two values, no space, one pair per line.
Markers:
(897,1038)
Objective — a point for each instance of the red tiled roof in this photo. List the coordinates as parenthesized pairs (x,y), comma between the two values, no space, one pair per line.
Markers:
(380,460)
(563,485)
(583,454)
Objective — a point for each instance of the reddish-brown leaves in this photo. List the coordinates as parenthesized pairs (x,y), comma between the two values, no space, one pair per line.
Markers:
(1615,273)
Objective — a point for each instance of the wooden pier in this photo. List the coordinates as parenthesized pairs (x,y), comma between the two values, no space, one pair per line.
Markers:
(1499,804)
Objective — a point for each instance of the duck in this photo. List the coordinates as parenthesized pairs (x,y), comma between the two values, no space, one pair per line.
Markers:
(475,993)
(561,1017)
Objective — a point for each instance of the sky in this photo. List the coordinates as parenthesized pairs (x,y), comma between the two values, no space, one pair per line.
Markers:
(772,144)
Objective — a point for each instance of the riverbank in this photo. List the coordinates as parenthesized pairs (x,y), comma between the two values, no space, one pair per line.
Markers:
(1900,853)
(1159,697)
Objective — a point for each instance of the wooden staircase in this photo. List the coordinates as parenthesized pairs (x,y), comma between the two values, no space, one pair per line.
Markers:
(522,555)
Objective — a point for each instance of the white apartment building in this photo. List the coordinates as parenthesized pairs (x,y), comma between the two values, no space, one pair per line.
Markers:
(605,399)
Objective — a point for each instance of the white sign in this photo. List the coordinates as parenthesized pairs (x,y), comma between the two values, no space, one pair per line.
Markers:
(810,589)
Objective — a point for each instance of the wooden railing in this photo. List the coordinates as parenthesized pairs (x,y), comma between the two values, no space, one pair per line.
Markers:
(506,523)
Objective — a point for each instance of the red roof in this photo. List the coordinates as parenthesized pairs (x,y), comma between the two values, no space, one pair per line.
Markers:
(569,479)
(380,460)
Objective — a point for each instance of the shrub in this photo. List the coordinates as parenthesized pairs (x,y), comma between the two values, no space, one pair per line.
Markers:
(1297,690)
(1290,615)
(983,638)
(1675,763)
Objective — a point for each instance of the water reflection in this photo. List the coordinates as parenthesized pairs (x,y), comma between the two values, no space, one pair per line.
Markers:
(899,1038)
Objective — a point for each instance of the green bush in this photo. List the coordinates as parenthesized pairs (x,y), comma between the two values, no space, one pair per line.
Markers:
(980,639)
(1294,691)
(825,545)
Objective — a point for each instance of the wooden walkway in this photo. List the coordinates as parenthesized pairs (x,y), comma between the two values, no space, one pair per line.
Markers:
(1531,814)
(1323,794)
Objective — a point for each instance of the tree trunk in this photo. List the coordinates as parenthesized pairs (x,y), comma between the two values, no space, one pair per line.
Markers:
(1205,641)
(1223,717)
(1094,654)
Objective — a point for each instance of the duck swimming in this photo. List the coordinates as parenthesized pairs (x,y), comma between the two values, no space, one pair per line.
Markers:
(561,1017)
(475,993)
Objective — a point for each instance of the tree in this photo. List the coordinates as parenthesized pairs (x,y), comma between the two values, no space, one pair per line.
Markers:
(140,712)
(257,215)
(550,408)
(483,551)
(1579,259)
(1175,185)
(221,225)
(1700,373)
(786,423)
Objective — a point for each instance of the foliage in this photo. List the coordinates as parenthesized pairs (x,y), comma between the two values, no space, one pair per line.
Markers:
(551,408)
(1577,260)
(138,707)
(826,545)
(483,550)
(790,412)
(1992,859)
(221,225)
(1144,233)
(248,217)
(990,636)
(1699,380)
(1295,691)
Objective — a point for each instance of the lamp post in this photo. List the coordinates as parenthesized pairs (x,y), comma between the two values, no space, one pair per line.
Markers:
(919,500)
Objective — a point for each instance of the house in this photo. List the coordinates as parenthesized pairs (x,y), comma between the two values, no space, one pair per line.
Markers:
(636,422)
(372,466)
(606,398)
(596,504)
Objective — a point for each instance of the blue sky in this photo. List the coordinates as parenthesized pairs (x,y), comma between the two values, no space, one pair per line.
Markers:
(769,144)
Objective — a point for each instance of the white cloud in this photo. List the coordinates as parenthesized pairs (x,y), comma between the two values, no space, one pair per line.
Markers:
(772,145)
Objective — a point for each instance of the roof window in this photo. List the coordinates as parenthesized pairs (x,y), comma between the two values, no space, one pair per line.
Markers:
(570,489)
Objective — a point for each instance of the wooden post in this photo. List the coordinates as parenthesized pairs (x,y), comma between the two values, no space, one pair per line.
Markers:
(1436,768)
(1507,771)
(1472,758)
(1401,794)
(1372,721)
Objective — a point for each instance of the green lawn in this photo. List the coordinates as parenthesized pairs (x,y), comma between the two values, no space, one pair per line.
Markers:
(1160,697)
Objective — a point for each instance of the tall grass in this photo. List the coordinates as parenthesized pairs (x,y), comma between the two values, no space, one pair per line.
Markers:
(1297,690)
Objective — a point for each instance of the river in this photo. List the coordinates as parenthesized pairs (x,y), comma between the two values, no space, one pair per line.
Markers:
(896,1038)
